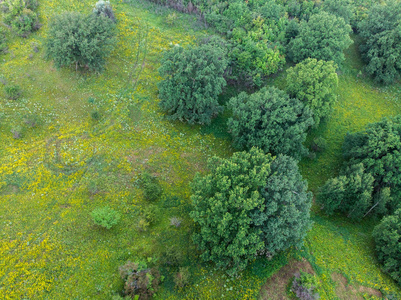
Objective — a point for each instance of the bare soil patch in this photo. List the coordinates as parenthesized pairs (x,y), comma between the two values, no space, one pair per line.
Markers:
(347,291)
(276,286)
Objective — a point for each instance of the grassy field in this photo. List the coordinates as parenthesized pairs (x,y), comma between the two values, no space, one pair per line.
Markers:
(69,164)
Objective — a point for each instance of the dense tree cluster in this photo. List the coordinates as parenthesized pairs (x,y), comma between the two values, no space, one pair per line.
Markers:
(271,120)
(248,205)
(381,33)
(20,15)
(370,181)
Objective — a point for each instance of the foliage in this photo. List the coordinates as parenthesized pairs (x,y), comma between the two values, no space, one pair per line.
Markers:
(323,37)
(105,217)
(151,187)
(193,78)
(271,120)
(314,82)
(319,144)
(80,40)
(103,8)
(340,8)
(174,221)
(182,278)
(139,279)
(13,92)
(387,237)
(378,148)
(303,286)
(20,16)
(381,48)
(249,205)
(350,193)
(3,41)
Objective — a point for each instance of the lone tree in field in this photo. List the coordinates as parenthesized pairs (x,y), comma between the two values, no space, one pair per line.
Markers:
(193,78)
(250,204)
(370,182)
(80,40)
(314,82)
(381,33)
(387,237)
(271,120)
(324,37)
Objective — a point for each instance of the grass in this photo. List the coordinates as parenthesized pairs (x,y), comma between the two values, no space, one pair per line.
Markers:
(49,246)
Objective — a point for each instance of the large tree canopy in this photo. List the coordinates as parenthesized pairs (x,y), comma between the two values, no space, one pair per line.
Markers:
(381,33)
(387,237)
(247,205)
(193,78)
(80,40)
(324,37)
(271,120)
(314,82)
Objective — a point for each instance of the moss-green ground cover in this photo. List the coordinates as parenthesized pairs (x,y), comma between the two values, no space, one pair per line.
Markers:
(49,247)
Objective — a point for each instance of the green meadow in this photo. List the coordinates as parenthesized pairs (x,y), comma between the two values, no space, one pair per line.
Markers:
(57,164)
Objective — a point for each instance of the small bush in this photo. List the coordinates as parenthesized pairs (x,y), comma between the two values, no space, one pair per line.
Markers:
(181,279)
(103,8)
(139,280)
(3,40)
(319,144)
(105,217)
(171,18)
(13,92)
(17,132)
(95,115)
(174,221)
(151,187)
(304,286)
(31,120)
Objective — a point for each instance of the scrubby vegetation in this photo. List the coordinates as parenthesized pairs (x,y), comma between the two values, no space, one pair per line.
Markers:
(125,183)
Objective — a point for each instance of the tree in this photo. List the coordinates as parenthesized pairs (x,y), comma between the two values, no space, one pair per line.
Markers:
(378,148)
(381,48)
(349,193)
(249,204)
(193,78)
(370,181)
(314,82)
(323,37)
(340,8)
(387,236)
(80,40)
(271,120)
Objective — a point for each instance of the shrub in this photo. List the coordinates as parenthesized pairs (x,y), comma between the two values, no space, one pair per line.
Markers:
(95,115)
(139,279)
(151,187)
(20,15)
(171,18)
(314,82)
(319,144)
(247,205)
(13,92)
(387,236)
(3,41)
(323,37)
(17,132)
(271,120)
(381,47)
(105,217)
(303,286)
(181,279)
(174,221)
(103,8)
(80,40)
(193,78)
